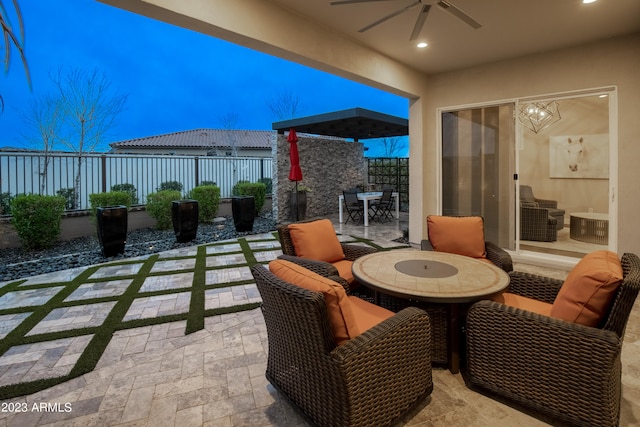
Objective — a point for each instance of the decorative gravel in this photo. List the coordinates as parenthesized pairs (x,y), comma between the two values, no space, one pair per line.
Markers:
(15,263)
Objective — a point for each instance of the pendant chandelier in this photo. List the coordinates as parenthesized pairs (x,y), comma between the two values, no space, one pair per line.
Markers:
(537,116)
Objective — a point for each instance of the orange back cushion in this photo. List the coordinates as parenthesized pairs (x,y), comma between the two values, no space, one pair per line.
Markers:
(587,293)
(523,303)
(341,317)
(457,235)
(316,240)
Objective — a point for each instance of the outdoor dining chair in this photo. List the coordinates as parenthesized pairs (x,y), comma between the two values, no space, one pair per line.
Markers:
(355,207)
(382,208)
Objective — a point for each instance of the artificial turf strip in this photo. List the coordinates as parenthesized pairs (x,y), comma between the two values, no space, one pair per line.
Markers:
(248,253)
(195,319)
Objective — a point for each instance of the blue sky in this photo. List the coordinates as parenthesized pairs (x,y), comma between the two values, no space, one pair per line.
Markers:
(174,79)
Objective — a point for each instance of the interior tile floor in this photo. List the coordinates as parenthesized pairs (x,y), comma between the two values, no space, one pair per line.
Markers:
(157,376)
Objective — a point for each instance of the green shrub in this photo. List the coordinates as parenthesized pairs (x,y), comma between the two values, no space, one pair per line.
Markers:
(208,197)
(69,195)
(37,219)
(5,203)
(235,191)
(256,189)
(127,188)
(170,185)
(159,207)
(269,183)
(112,198)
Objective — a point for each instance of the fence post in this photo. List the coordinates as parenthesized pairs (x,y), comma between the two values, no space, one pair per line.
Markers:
(103,162)
(196,169)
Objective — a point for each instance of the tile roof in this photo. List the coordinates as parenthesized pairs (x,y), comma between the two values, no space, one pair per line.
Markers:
(202,138)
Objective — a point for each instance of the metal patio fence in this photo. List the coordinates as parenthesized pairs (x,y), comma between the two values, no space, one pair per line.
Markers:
(56,173)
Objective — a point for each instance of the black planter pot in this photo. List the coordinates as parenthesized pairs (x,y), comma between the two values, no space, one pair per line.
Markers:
(244,211)
(298,205)
(112,229)
(184,215)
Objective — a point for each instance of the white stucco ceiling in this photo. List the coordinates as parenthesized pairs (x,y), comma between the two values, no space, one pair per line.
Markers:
(510,28)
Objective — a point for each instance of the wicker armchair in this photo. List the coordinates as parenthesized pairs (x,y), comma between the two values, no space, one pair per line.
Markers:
(494,253)
(351,253)
(527,197)
(537,224)
(568,371)
(371,380)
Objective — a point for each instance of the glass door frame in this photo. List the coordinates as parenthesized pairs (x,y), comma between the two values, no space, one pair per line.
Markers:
(542,258)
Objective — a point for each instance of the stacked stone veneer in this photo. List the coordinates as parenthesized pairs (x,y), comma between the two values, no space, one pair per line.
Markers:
(328,167)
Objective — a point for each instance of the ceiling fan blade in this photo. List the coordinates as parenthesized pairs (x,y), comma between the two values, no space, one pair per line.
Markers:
(386,18)
(422,17)
(337,3)
(459,14)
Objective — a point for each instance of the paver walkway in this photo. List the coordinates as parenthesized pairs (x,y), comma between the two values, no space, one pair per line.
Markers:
(57,326)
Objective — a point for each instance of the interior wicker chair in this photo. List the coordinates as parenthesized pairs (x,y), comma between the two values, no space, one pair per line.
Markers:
(527,198)
(351,253)
(536,224)
(555,367)
(370,380)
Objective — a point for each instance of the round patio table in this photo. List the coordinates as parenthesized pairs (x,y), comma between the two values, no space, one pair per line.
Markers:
(434,277)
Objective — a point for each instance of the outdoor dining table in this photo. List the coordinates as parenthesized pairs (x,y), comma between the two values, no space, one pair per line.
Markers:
(454,281)
(366,197)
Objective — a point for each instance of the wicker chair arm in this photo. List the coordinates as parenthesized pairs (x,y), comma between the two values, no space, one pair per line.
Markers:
(398,346)
(324,269)
(538,216)
(388,366)
(533,286)
(426,245)
(498,256)
(353,252)
(321,267)
(549,204)
(542,362)
(410,324)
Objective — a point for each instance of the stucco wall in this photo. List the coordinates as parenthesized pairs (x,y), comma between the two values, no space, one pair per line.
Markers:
(328,167)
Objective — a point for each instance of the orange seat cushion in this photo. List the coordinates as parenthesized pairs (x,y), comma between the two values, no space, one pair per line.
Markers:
(316,240)
(457,235)
(368,315)
(528,304)
(344,270)
(341,317)
(587,293)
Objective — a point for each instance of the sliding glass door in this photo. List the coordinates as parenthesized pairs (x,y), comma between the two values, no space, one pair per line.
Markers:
(478,167)
(508,162)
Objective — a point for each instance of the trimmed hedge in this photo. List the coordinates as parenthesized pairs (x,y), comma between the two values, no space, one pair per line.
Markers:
(129,189)
(208,197)
(111,198)
(256,189)
(159,207)
(37,219)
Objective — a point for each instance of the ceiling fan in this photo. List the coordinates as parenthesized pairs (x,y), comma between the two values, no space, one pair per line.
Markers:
(422,17)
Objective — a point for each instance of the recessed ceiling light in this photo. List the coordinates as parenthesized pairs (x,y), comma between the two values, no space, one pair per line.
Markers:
(603,96)
(422,45)
(588,1)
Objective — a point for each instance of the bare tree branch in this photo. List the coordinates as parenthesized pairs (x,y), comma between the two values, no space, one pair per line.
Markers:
(88,111)
(284,105)
(43,119)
